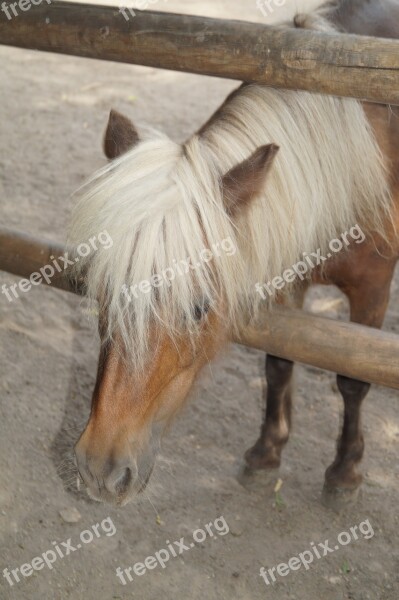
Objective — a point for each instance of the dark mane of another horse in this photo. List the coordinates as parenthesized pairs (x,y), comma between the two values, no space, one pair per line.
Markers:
(379,18)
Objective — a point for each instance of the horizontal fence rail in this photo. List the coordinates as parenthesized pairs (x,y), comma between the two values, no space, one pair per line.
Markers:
(23,254)
(349,349)
(330,63)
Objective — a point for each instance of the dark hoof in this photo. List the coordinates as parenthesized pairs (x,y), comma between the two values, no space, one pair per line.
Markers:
(339,499)
(259,459)
(256,480)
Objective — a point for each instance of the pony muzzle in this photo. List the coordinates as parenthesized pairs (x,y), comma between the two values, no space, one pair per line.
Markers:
(108,478)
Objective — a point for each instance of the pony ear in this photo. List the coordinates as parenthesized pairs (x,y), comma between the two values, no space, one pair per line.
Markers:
(120,135)
(246,180)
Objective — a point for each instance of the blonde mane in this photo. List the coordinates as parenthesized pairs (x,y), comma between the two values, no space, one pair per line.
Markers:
(162,202)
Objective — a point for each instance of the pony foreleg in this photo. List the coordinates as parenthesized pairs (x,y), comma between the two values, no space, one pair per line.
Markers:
(342,476)
(368,302)
(274,433)
(266,453)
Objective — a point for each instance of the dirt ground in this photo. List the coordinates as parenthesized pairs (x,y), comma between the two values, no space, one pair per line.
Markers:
(53,110)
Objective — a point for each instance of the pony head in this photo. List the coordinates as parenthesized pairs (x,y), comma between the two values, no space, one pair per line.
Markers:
(170,288)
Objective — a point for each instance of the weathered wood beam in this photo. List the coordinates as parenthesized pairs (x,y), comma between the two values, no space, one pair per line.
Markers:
(329,63)
(346,348)
(349,349)
(23,254)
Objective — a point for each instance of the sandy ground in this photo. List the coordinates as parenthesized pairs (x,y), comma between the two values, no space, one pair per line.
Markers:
(52,113)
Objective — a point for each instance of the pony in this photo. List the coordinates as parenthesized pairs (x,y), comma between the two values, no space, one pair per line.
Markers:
(278,174)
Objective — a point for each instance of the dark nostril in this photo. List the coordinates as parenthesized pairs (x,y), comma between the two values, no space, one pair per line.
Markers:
(114,474)
(123,481)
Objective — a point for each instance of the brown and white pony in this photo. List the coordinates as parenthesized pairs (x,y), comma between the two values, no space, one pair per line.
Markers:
(278,173)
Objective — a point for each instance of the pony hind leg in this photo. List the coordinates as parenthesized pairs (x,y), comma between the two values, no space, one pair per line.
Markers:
(368,298)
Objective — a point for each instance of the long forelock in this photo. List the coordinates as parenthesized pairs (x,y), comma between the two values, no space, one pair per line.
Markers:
(161,204)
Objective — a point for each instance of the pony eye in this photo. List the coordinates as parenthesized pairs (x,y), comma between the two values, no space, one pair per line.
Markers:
(200,310)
